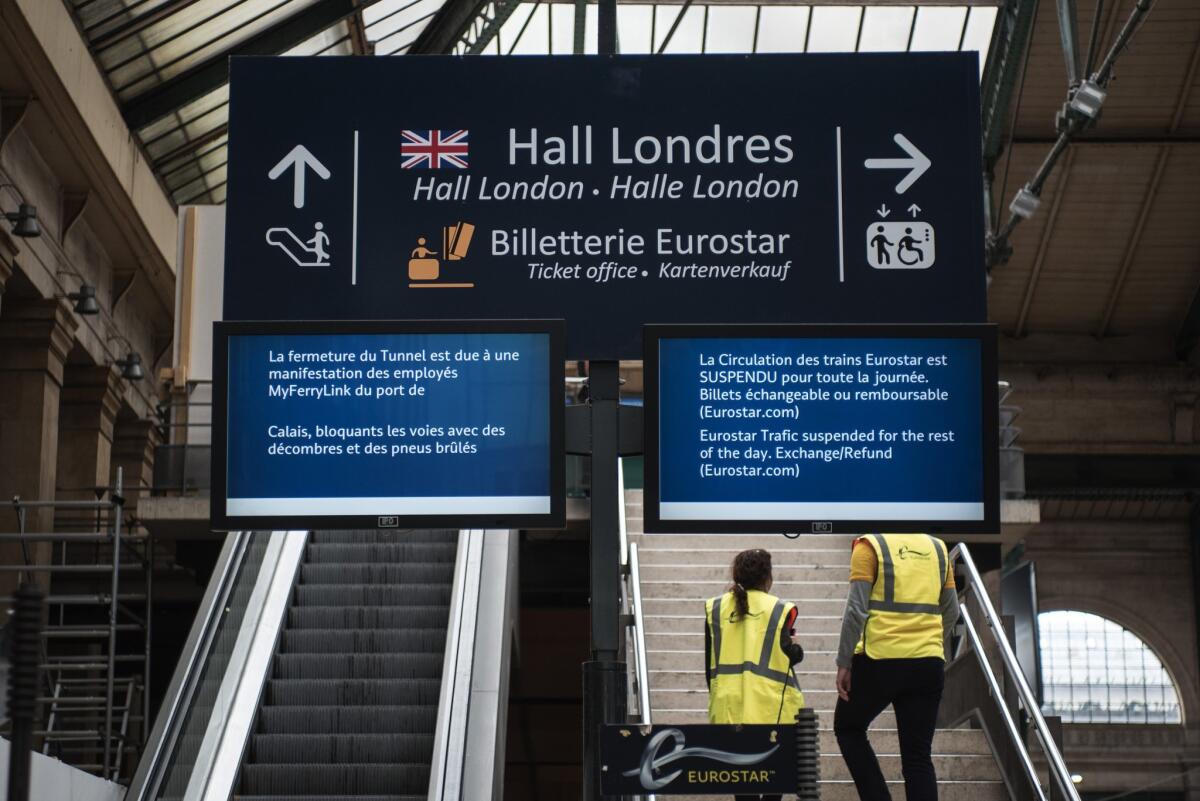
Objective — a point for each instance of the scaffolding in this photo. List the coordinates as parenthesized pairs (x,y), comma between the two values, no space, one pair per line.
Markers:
(94,686)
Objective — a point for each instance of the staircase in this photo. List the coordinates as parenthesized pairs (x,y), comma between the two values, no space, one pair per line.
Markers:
(349,711)
(680,571)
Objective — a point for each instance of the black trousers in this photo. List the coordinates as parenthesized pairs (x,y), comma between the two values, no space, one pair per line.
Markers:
(914,689)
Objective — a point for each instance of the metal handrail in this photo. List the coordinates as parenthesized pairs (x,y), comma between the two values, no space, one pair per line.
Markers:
(450,734)
(1057,765)
(192,660)
(639,636)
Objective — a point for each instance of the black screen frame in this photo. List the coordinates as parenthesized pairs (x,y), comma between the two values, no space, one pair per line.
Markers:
(222,331)
(985,333)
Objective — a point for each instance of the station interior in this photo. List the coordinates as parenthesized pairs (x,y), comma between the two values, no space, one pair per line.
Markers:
(114,134)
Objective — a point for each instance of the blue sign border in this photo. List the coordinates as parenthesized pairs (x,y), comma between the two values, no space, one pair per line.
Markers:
(556,457)
(987,336)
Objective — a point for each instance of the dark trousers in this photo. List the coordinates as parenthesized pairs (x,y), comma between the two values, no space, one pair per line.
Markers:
(914,689)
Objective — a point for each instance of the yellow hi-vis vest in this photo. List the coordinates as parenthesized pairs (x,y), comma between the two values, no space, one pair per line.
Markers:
(750,669)
(904,619)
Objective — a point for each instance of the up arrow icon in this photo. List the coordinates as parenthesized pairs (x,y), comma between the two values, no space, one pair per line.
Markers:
(916,163)
(298,158)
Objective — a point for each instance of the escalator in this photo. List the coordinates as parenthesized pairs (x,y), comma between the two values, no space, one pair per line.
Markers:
(350,708)
(342,666)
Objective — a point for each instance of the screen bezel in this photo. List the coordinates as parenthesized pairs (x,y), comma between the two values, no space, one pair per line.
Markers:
(556,457)
(985,334)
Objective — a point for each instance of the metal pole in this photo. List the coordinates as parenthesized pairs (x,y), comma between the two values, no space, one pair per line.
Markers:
(606,29)
(604,677)
(23,686)
(117,501)
(148,631)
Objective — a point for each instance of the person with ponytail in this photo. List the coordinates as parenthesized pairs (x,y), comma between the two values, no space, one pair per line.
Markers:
(750,649)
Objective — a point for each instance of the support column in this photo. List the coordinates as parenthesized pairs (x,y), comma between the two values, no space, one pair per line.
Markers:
(8,254)
(87,413)
(134,442)
(35,338)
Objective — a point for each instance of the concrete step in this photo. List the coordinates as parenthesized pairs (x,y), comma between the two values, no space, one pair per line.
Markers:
(693,659)
(694,679)
(689,624)
(843,790)
(958,767)
(652,554)
(733,543)
(885,722)
(687,641)
(784,572)
(796,591)
(819,698)
(809,606)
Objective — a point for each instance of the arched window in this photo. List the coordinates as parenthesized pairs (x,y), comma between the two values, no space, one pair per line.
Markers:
(1095,671)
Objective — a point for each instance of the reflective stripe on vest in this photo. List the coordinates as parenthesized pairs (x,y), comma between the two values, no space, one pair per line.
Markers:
(904,610)
(754,683)
(763,666)
(889,602)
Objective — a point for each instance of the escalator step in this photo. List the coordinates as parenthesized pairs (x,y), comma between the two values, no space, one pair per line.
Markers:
(367,595)
(370,617)
(370,536)
(339,749)
(306,797)
(358,666)
(385,573)
(352,692)
(348,779)
(364,641)
(361,552)
(347,719)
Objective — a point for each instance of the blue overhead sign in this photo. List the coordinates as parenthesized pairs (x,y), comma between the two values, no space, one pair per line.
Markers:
(821,428)
(388,424)
(610,191)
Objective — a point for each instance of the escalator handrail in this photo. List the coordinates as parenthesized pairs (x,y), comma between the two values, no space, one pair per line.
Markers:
(1013,671)
(450,735)
(192,659)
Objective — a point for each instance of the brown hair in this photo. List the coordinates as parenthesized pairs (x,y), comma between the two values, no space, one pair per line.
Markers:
(751,570)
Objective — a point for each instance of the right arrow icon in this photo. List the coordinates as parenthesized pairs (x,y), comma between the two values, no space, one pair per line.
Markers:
(916,163)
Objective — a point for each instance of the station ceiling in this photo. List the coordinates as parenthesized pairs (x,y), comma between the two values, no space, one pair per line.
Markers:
(1113,252)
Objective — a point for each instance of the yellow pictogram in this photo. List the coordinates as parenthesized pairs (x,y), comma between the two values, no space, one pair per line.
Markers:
(424,268)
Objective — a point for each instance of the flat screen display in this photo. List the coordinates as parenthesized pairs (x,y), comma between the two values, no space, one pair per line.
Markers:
(390,424)
(821,428)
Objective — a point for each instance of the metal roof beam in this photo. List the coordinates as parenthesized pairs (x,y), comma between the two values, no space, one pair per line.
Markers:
(212,73)
(358,32)
(447,27)
(1005,65)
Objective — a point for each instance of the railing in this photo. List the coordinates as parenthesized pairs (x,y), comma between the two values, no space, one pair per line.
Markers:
(450,736)
(182,464)
(631,608)
(1014,677)
(87,723)
(195,748)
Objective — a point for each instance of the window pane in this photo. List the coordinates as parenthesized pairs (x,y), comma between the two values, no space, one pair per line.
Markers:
(885,28)
(781,29)
(1095,671)
(834,29)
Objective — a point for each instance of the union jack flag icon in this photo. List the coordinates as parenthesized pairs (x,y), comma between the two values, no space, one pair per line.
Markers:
(434,149)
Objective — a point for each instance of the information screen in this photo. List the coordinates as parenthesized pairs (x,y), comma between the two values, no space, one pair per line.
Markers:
(353,425)
(821,428)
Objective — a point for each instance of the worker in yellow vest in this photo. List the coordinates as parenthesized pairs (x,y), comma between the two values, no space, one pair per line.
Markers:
(895,630)
(750,650)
